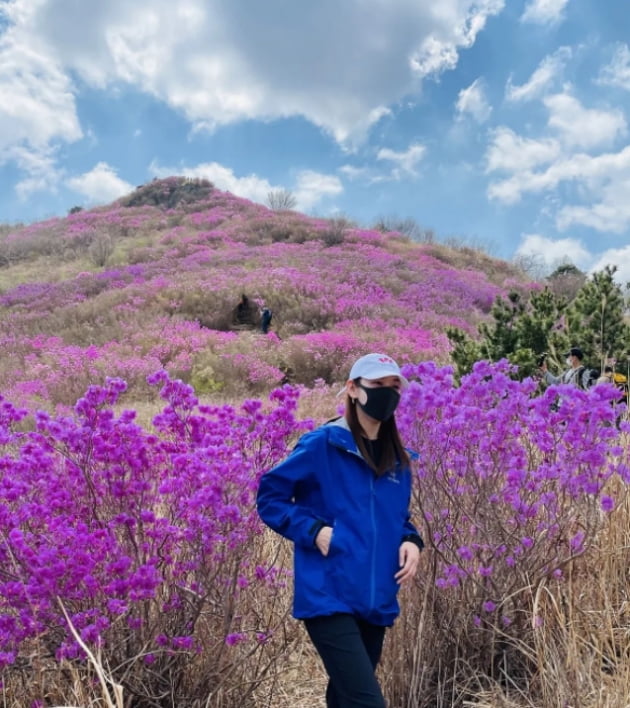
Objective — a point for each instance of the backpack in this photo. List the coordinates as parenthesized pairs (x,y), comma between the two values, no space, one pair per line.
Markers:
(621,382)
(588,380)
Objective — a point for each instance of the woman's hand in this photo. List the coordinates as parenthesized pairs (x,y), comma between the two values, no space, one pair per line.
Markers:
(322,540)
(408,559)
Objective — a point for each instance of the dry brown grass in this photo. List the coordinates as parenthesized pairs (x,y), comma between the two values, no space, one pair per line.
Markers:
(577,654)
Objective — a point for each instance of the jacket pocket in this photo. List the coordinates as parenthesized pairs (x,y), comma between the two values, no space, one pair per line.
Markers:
(342,542)
(347,566)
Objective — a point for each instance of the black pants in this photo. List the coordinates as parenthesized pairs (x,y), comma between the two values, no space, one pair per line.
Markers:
(350,649)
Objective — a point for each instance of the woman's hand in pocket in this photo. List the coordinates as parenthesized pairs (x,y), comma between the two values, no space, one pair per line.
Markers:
(322,541)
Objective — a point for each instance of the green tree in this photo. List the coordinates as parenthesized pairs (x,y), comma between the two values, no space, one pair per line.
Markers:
(500,339)
(541,331)
(521,331)
(465,351)
(596,319)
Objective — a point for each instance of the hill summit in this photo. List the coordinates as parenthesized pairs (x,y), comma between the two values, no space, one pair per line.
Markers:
(169,193)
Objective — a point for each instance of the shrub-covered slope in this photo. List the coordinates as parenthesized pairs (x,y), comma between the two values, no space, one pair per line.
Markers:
(152,281)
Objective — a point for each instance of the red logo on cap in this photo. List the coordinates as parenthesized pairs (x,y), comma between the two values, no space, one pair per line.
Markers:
(385,360)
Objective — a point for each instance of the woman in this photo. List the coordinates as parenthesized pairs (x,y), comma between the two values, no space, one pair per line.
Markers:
(342,496)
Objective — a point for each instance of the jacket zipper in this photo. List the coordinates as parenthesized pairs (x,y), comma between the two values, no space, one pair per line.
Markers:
(373,561)
(372,525)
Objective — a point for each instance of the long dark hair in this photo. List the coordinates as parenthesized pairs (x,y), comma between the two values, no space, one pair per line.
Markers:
(392,447)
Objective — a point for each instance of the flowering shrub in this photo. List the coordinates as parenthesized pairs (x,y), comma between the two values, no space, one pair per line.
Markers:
(512,490)
(147,539)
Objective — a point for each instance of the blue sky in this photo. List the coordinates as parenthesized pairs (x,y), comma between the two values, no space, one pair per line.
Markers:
(503,123)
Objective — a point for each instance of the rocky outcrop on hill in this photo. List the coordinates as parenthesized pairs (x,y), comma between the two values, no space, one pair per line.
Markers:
(169,193)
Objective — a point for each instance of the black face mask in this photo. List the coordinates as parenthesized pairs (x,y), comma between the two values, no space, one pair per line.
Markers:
(381,402)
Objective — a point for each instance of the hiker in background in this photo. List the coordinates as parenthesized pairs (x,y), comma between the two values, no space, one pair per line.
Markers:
(607,376)
(619,381)
(265,320)
(576,374)
(342,497)
(243,315)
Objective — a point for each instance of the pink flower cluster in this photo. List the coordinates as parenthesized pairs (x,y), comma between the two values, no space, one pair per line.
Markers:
(133,532)
(511,486)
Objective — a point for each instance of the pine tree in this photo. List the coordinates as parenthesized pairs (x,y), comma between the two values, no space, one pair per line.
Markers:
(500,339)
(546,324)
(596,319)
(521,331)
(542,332)
(465,351)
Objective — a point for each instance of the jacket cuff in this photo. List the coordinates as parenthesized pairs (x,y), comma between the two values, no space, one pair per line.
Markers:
(414,538)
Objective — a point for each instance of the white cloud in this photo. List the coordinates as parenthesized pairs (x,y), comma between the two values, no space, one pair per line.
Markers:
(37,107)
(513,153)
(593,173)
(310,187)
(38,165)
(452,26)
(544,12)
(548,72)
(599,184)
(354,173)
(583,127)
(434,56)
(405,162)
(619,257)
(617,73)
(472,100)
(610,214)
(220,61)
(100,185)
(36,101)
(552,252)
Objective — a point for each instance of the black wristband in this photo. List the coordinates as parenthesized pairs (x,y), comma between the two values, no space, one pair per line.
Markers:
(414,538)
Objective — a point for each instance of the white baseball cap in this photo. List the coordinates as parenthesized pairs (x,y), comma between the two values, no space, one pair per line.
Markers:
(376,366)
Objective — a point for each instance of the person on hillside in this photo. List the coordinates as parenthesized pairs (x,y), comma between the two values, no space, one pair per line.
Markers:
(342,496)
(242,314)
(575,374)
(265,320)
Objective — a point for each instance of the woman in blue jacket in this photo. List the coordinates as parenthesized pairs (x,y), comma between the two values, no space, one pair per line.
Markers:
(342,496)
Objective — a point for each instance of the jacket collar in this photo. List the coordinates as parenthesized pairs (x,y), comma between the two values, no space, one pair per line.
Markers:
(339,434)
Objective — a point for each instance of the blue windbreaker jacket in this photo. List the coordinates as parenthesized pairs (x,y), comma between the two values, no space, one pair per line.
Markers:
(325,480)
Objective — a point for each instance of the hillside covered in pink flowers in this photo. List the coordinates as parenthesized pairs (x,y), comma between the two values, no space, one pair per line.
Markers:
(151,283)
